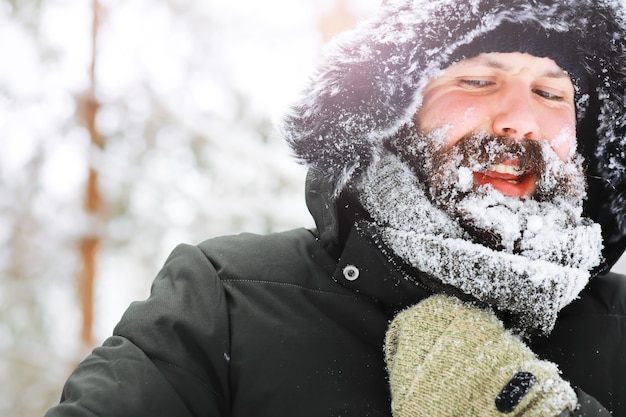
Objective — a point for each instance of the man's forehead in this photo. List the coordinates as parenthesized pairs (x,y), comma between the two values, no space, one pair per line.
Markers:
(510,61)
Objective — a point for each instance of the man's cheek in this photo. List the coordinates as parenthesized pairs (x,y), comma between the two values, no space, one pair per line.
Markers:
(462,121)
(457,114)
(564,142)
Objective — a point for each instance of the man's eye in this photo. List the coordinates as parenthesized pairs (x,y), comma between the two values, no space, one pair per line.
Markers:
(547,95)
(475,82)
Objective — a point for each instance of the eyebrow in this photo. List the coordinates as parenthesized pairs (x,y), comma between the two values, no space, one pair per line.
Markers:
(491,63)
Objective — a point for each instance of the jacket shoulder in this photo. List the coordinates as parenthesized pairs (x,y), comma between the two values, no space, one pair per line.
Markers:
(256,243)
(284,256)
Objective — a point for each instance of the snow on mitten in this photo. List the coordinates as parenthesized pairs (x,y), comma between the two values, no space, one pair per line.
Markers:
(448,358)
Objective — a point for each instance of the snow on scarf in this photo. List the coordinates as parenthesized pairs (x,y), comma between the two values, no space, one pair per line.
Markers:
(533,285)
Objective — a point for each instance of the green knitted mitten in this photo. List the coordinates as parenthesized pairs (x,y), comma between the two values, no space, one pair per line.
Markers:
(448,358)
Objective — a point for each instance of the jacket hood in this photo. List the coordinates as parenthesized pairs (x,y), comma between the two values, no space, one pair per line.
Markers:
(369,86)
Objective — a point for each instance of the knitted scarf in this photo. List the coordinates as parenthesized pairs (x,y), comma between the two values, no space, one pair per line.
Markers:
(533,283)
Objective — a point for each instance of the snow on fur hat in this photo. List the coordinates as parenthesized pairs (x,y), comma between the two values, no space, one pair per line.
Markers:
(370,83)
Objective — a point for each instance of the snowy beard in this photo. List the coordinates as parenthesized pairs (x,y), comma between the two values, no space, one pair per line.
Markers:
(545,247)
(500,222)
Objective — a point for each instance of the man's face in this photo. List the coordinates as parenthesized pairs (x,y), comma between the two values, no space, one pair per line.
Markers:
(515,96)
(494,146)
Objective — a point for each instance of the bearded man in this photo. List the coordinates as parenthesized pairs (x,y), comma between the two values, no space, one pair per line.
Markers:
(467,181)
(483,195)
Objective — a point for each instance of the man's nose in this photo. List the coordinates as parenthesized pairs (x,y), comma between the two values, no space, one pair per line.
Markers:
(514,115)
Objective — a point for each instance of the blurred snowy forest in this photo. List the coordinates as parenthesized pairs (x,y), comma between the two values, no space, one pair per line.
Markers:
(127,127)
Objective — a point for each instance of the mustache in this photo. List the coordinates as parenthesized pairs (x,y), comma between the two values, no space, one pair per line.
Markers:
(479,150)
(429,156)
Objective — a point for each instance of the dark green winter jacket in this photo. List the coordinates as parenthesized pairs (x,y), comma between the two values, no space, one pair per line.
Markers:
(276,326)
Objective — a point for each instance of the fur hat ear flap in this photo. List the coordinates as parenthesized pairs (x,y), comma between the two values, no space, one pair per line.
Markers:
(351,105)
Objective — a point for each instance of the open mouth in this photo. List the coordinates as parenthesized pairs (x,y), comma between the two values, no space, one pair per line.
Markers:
(509,178)
(506,170)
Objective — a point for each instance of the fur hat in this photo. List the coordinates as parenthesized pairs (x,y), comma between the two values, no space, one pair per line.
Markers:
(369,85)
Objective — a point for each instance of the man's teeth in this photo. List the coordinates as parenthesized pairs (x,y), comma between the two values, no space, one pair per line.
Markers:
(505,169)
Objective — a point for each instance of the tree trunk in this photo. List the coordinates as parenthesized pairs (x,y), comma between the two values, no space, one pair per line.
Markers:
(88,245)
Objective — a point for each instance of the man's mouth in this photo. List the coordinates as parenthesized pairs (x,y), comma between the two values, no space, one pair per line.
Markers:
(506,170)
(509,178)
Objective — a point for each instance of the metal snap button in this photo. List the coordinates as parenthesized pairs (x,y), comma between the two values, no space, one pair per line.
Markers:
(350,272)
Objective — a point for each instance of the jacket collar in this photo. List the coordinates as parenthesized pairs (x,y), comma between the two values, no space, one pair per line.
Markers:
(363,264)
(366,268)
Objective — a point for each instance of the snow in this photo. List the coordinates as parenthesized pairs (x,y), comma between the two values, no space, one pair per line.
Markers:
(534,282)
